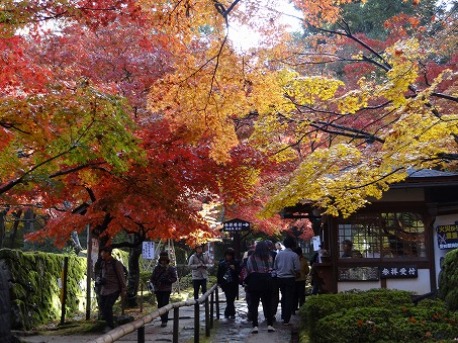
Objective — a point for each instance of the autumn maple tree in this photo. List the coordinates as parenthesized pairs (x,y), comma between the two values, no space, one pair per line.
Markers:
(143,109)
(352,112)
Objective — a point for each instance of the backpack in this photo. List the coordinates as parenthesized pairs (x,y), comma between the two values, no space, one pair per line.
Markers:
(125,271)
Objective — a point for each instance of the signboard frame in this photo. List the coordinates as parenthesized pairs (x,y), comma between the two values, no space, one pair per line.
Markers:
(447,236)
(236,225)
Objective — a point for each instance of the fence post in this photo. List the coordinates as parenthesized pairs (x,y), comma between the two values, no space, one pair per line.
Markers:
(176,318)
(217,303)
(212,303)
(207,319)
(141,335)
(196,322)
(64,290)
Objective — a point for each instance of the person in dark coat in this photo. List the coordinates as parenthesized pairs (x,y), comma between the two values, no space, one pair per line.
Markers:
(162,279)
(259,269)
(112,284)
(228,280)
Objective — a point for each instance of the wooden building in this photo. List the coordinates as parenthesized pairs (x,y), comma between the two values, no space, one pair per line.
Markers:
(398,241)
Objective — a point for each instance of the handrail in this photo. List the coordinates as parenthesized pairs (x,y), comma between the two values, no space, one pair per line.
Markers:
(139,324)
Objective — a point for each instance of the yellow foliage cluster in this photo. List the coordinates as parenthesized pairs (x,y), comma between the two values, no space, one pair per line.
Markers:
(302,113)
(403,57)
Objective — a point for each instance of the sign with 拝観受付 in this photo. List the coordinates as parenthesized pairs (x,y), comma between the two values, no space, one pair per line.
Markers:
(236,225)
(406,272)
(447,236)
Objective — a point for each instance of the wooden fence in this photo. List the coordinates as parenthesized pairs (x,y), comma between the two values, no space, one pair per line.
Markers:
(211,307)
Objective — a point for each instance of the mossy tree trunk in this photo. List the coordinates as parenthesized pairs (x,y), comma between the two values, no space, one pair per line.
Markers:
(133,279)
(17,217)
(5,305)
(3,226)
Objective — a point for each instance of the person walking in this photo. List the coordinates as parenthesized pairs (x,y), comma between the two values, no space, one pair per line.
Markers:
(275,288)
(199,263)
(163,277)
(242,280)
(301,279)
(287,266)
(113,284)
(259,284)
(228,280)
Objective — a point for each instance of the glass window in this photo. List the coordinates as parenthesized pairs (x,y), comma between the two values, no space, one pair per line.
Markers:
(383,235)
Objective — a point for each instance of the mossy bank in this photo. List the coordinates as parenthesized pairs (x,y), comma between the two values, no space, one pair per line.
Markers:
(36,287)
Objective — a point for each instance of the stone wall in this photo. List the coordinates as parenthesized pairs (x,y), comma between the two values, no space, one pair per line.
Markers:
(36,287)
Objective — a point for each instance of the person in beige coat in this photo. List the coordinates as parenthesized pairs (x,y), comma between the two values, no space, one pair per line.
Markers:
(199,263)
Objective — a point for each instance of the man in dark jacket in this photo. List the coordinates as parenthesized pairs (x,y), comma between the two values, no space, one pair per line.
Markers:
(113,284)
(162,279)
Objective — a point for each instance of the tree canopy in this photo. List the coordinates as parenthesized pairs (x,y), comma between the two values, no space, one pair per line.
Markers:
(143,110)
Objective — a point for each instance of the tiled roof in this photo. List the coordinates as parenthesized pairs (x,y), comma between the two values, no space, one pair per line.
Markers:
(413,173)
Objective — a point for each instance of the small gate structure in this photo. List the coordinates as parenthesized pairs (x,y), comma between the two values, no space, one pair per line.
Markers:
(5,304)
(211,307)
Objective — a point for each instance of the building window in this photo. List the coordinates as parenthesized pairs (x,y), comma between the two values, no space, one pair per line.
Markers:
(385,235)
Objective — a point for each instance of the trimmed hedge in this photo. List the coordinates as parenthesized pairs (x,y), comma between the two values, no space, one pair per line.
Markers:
(448,280)
(377,316)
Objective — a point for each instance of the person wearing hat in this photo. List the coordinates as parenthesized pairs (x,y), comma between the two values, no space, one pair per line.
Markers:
(199,262)
(113,284)
(164,275)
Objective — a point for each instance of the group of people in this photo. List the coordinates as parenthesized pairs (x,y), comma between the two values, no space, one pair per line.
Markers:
(266,272)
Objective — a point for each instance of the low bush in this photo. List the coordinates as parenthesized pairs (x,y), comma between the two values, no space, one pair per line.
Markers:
(322,305)
(377,316)
(448,280)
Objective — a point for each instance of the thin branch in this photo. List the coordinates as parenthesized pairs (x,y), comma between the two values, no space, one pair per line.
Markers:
(375,181)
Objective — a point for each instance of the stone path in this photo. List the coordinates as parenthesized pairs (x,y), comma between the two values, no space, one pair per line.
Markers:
(224,330)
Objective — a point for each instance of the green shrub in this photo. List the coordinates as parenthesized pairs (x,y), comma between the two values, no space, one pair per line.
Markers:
(377,316)
(320,306)
(448,280)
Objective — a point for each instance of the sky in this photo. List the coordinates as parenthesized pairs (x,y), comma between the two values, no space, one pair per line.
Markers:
(244,37)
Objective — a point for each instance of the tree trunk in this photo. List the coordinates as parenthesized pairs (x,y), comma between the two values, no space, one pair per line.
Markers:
(5,305)
(3,226)
(133,279)
(17,216)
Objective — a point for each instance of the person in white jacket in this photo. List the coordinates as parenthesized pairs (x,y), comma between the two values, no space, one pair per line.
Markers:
(199,263)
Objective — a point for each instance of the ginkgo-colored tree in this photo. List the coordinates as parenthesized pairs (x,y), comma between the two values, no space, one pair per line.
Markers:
(352,130)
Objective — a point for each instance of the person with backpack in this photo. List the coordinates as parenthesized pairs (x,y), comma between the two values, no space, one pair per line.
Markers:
(259,284)
(228,280)
(199,262)
(112,284)
(162,279)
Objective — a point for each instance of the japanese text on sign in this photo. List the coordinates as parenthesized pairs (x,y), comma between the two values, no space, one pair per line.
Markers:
(398,272)
(148,250)
(236,225)
(447,236)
